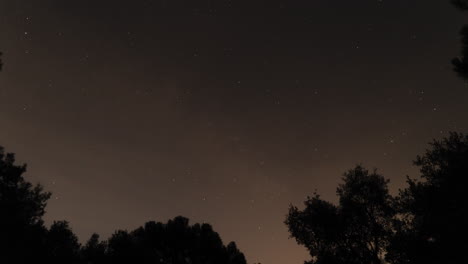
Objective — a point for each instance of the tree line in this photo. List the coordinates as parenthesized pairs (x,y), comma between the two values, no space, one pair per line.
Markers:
(425,223)
(25,239)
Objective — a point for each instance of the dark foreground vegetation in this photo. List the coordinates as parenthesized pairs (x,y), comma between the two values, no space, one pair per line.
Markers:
(25,239)
(425,223)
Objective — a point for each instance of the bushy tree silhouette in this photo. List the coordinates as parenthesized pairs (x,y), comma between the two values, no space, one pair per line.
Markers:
(62,244)
(461,4)
(424,224)
(22,205)
(461,63)
(94,251)
(356,230)
(433,210)
(175,242)
(25,239)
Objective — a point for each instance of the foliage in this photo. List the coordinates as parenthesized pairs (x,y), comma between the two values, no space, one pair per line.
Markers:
(354,231)
(460,64)
(175,242)
(433,209)
(25,239)
(22,207)
(425,223)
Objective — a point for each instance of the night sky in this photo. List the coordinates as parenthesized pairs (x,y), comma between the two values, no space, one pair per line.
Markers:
(222,111)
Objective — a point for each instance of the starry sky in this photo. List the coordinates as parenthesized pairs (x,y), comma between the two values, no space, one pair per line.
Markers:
(222,111)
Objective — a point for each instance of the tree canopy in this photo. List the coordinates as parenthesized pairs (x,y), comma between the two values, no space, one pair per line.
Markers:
(433,210)
(174,242)
(460,64)
(424,223)
(25,239)
(354,231)
(22,207)
(461,4)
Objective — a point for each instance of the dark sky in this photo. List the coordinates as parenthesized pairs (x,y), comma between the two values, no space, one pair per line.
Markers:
(222,111)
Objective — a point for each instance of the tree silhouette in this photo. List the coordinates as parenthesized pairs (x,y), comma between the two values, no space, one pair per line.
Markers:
(94,251)
(460,64)
(22,207)
(424,224)
(25,239)
(461,4)
(433,210)
(357,230)
(62,244)
(175,242)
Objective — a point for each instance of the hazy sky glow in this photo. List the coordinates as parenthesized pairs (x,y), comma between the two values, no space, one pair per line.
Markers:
(222,111)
